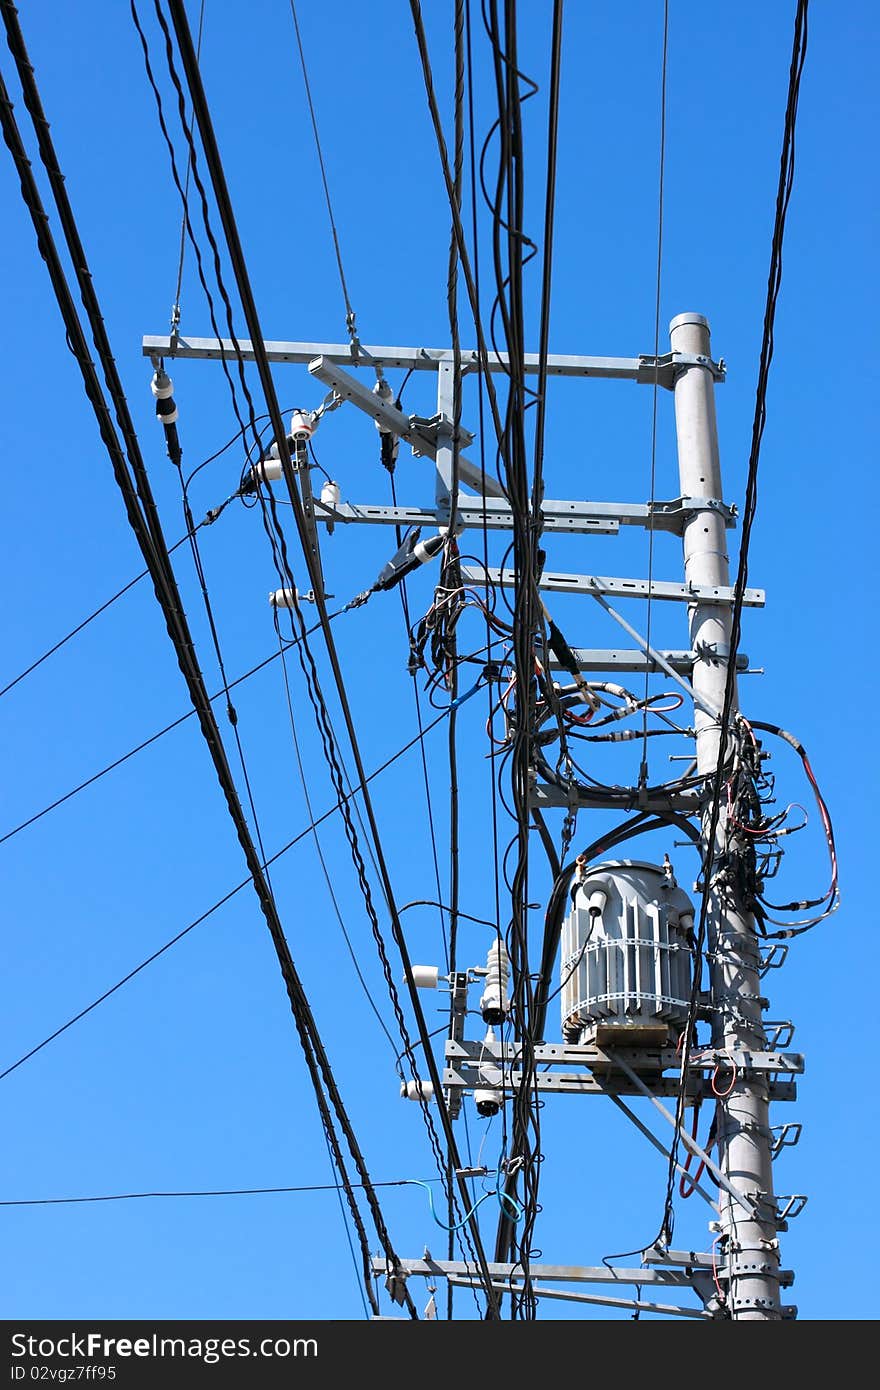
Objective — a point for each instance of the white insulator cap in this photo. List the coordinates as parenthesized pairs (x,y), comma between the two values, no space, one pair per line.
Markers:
(494,1003)
(425,976)
(302,424)
(268,471)
(417,1090)
(330,494)
(596,902)
(282,598)
(488,1097)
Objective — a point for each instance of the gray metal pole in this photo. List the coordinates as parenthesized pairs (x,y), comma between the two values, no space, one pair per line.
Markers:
(749,1247)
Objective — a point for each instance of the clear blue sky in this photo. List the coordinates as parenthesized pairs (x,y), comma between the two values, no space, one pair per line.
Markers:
(191,1077)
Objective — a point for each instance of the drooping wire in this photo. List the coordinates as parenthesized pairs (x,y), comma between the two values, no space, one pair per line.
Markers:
(643,771)
(206,1192)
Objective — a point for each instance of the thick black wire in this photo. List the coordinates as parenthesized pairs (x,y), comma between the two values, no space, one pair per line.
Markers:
(193,77)
(508,244)
(428,78)
(280,557)
(547,257)
(451,568)
(774,282)
(147,528)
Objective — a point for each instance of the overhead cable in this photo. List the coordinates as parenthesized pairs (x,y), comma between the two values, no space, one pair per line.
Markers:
(142,515)
(221,192)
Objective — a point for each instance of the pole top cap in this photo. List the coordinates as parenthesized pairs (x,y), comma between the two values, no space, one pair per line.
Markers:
(681,319)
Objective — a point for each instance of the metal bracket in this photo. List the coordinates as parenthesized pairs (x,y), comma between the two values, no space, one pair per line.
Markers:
(421,435)
(793,1207)
(772,959)
(779,1034)
(785,1136)
(645,369)
(665,369)
(674,515)
(574,518)
(619,588)
(618,659)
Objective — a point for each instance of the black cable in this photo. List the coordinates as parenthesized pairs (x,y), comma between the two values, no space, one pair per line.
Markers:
(280,558)
(175,454)
(80,627)
(320,853)
(774,282)
(428,902)
(221,902)
(547,268)
(145,743)
(427,75)
(145,524)
(450,575)
(209,143)
(426,781)
(213,1192)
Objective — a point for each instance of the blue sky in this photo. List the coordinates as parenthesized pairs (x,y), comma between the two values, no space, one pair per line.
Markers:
(191,1076)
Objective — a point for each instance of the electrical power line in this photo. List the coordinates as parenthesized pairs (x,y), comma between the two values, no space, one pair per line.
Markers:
(221,193)
(81,626)
(774,283)
(143,518)
(207,1192)
(221,902)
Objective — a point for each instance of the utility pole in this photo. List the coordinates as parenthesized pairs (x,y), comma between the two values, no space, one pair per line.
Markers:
(750,1246)
(741,1278)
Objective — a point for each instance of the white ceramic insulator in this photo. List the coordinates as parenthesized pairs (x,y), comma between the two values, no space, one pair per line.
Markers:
(302,424)
(330,494)
(269,471)
(417,1090)
(425,976)
(282,598)
(494,1003)
(596,902)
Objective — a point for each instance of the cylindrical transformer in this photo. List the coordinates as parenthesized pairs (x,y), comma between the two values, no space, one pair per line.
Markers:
(627,949)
